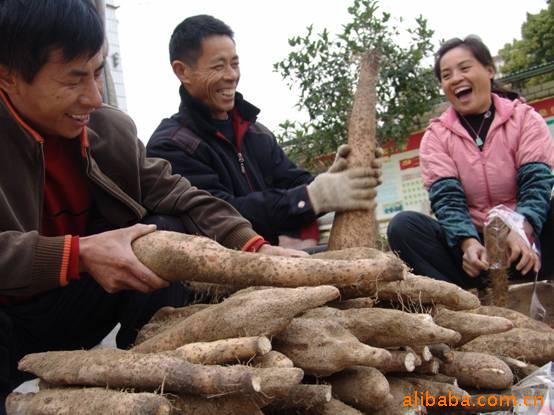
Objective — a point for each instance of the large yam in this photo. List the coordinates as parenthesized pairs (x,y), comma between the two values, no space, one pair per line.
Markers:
(495,234)
(359,227)
(479,370)
(88,401)
(381,327)
(179,257)
(364,388)
(256,313)
(223,351)
(166,317)
(524,344)
(471,325)
(123,369)
(417,290)
(519,320)
(322,347)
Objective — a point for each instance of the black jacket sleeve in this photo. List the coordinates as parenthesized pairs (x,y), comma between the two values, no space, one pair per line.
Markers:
(272,195)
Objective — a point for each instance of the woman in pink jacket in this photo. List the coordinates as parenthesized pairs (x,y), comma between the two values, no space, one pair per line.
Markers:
(488,148)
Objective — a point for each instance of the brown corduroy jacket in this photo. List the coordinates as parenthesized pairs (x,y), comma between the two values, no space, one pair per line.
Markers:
(125,187)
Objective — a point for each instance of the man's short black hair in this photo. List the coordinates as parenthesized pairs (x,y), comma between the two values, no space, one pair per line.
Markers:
(186,40)
(31,29)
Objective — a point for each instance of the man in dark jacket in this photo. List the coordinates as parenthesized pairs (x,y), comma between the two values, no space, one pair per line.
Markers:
(74,186)
(215,142)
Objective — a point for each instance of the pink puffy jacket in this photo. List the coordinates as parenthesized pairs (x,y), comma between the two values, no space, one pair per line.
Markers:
(518,135)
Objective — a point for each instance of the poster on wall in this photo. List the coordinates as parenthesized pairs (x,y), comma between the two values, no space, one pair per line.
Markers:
(402,187)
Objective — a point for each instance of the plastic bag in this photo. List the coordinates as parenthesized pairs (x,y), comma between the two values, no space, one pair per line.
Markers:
(500,220)
(534,394)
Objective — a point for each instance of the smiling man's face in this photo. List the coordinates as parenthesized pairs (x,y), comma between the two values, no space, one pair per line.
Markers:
(213,79)
(465,81)
(62,95)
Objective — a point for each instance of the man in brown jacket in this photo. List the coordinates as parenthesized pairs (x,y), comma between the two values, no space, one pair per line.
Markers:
(75,186)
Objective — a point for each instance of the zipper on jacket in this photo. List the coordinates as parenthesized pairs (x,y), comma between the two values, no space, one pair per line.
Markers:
(241,162)
(240,158)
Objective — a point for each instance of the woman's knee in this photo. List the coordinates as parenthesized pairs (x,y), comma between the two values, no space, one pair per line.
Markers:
(401,223)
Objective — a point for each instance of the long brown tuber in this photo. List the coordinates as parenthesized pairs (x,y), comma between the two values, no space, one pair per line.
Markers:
(518,319)
(255,313)
(416,289)
(359,227)
(381,327)
(123,369)
(479,370)
(524,344)
(179,257)
(471,325)
(322,347)
(86,401)
(223,351)
(364,388)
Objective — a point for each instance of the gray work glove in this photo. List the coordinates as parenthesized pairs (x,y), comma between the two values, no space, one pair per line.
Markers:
(341,163)
(341,188)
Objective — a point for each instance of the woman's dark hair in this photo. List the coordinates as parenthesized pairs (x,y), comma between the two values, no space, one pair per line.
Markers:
(186,40)
(31,29)
(481,52)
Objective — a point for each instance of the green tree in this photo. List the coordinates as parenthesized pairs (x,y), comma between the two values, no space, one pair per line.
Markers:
(324,69)
(535,47)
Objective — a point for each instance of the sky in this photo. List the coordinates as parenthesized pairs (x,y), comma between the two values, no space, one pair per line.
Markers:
(262,29)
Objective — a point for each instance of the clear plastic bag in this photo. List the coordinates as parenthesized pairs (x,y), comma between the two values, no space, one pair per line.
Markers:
(534,394)
(500,220)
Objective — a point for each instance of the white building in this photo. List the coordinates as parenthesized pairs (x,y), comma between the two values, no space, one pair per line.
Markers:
(114,53)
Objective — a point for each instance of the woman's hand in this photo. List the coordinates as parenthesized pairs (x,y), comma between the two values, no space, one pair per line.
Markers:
(475,257)
(520,249)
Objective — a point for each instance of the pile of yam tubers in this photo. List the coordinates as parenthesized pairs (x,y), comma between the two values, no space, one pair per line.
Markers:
(339,333)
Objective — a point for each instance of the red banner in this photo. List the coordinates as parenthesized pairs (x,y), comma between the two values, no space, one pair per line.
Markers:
(409,163)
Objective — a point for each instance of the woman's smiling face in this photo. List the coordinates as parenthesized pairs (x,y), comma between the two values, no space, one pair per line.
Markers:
(465,81)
